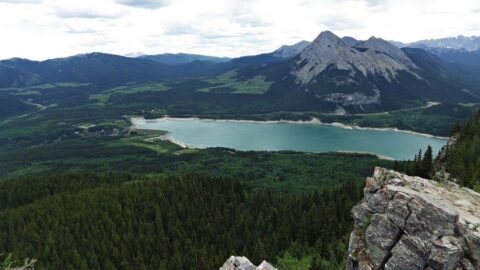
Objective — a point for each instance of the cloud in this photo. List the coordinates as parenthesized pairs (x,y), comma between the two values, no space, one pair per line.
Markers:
(148,4)
(373,3)
(338,23)
(81,31)
(218,27)
(87,13)
(22,1)
(181,29)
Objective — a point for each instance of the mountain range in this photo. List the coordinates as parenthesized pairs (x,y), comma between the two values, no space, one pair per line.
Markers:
(344,74)
(457,43)
(330,74)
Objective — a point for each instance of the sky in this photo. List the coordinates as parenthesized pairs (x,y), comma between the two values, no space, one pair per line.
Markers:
(42,29)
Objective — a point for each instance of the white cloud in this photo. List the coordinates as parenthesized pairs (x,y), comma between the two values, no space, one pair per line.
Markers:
(21,1)
(55,28)
(144,3)
(87,9)
(86,14)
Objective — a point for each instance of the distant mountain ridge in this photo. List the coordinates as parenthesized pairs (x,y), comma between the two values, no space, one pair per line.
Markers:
(183,58)
(458,43)
(110,69)
(95,68)
(330,74)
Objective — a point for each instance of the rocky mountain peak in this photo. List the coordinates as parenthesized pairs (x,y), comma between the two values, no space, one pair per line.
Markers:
(412,223)
(372,57)
(381,45)
(328,38)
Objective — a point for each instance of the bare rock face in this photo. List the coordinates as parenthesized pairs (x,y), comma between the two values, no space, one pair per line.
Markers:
(242,263)
(412,223)
(238,263)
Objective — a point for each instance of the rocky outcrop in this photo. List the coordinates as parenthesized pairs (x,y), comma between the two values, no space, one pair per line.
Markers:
(242,263)
(412,223)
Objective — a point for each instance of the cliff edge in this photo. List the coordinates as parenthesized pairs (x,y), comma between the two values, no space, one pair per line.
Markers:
(412,223)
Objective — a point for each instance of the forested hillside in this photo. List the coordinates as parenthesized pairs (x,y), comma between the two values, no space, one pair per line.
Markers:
(463,159)
(190,222)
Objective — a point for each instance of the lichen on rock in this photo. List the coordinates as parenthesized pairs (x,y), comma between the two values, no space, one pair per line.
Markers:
(412,223)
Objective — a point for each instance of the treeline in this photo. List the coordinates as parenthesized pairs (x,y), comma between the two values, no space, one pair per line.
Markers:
(463,159)
(421,165)
(193,222)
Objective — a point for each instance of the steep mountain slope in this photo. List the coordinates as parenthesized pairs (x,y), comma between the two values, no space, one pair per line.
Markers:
(464,64)
(470,59)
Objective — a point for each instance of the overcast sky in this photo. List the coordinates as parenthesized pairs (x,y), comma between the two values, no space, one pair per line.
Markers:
(40,29)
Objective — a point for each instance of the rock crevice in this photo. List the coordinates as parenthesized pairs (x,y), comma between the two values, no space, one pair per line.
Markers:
(408,222)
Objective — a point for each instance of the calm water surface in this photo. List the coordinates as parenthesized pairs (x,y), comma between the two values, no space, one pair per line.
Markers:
(291,136)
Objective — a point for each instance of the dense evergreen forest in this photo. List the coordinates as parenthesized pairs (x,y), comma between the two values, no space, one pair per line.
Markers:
(463,158)
(190,222)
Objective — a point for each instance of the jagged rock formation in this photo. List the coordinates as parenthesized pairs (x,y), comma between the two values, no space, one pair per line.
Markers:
(242,263)
(412,223)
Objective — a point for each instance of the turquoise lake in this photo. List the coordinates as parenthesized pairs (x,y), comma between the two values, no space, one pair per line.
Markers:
(308,137)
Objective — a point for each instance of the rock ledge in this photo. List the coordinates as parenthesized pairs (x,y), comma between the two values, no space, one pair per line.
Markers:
(412,223)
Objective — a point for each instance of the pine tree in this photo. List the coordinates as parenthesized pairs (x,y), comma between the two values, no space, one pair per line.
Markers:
(427,163)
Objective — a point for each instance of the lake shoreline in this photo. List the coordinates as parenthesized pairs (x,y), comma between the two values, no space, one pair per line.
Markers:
(314,121)
(140,123)
(168,137)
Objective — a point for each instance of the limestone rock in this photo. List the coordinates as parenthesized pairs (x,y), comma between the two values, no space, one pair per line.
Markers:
(446,253)
(266,266)
(242,263)
(408,222)
(380,237)
(238,263)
